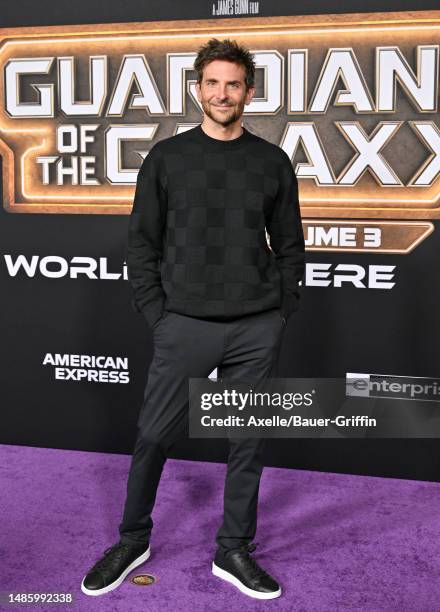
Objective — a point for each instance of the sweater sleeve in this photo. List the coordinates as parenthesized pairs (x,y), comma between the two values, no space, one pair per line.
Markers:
(145,240)
(287,238)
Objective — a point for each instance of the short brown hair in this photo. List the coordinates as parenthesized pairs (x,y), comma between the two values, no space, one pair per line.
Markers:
(228,50)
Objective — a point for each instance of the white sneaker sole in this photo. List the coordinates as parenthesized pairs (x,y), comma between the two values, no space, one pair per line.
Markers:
(221,573)
(118,581)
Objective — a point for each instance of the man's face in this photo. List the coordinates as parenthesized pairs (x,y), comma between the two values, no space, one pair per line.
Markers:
(222,92)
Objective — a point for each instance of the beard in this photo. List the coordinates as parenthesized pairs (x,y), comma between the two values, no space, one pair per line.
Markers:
(224,118)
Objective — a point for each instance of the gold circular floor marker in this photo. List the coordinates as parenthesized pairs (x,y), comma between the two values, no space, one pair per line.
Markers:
(143,579)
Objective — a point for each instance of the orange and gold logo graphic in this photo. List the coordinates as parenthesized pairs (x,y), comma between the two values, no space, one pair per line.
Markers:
(352,99)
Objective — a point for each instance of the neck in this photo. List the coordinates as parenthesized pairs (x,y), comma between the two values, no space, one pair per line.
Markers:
(214,130)
(218,144)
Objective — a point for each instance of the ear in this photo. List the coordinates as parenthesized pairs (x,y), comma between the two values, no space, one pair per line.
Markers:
(249,95)
(198,91)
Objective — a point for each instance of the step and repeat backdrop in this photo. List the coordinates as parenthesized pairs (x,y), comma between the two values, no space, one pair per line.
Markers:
(351,98)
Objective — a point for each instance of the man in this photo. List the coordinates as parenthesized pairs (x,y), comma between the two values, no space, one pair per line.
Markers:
(214,295)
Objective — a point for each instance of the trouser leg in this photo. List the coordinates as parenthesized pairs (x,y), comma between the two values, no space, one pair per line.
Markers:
(252,346)
(184,348)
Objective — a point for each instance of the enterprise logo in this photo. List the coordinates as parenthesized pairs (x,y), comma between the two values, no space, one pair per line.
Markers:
(393,387)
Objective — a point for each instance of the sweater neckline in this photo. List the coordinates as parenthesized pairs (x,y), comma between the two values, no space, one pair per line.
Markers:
(222,145)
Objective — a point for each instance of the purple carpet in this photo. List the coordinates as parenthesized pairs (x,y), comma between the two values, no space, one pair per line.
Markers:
(335,542)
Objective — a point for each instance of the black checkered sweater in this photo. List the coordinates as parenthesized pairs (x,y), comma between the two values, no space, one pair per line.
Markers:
(197,241)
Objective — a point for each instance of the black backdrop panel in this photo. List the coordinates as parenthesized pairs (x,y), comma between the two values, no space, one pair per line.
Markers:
(337,330)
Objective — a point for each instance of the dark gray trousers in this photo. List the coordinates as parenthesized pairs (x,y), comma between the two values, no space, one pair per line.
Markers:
(187,347)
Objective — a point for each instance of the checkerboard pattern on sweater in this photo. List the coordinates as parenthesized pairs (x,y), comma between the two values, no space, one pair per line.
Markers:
(197,241)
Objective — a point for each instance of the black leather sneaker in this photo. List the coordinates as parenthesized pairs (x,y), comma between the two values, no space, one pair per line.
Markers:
(238,568)
(109,572)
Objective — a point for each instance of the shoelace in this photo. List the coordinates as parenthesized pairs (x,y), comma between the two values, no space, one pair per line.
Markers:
(256,569)
(112,555)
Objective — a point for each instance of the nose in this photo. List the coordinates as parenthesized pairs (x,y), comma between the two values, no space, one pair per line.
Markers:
(221,92)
